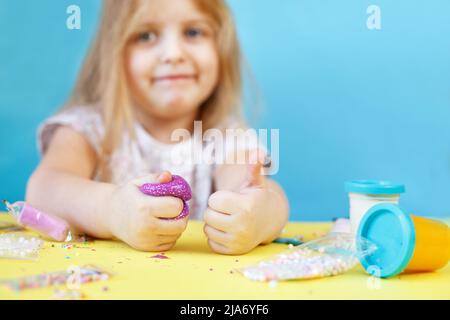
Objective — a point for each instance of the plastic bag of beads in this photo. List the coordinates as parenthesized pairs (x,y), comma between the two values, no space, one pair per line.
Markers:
(72,278)
(331,255)
(19,246)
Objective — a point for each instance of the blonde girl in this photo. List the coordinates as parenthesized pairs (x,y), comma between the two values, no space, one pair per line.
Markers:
(155,66)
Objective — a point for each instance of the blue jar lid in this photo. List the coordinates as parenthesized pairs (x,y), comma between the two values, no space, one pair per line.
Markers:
(392,230)
(374,187)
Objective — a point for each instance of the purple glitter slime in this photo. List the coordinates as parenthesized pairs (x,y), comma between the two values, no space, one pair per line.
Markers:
(178,188)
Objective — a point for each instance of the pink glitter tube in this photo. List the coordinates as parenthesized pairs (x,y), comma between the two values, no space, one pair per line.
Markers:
(178,188)
(32,218)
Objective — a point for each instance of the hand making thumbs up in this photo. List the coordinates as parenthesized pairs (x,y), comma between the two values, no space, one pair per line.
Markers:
(238,220)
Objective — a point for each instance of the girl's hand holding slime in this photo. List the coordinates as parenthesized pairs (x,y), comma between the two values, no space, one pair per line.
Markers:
(146,222)
(175,186)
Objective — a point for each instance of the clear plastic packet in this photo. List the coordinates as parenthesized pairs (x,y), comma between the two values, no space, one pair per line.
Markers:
(334,254)
(19,246)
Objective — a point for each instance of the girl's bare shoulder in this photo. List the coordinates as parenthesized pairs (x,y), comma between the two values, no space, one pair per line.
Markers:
(86,121)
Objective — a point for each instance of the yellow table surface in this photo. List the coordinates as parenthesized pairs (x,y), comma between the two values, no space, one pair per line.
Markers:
(193,271)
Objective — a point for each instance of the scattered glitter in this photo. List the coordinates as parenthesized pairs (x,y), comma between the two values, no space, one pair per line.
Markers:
(83,239)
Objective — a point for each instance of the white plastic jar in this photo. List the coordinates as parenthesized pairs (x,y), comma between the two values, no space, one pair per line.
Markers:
(364,194)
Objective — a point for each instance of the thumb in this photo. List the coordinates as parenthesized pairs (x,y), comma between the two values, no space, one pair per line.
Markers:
(255,177)
(163,177)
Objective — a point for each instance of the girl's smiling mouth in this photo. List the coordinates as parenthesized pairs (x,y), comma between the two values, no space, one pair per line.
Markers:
(174,78)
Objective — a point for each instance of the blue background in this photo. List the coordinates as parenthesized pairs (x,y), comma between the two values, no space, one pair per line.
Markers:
(349,102)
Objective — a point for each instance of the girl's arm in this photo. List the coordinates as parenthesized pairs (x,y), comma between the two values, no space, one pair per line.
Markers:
(248,209)
(61,184)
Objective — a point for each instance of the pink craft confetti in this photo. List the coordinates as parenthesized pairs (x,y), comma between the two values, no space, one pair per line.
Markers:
(160,256)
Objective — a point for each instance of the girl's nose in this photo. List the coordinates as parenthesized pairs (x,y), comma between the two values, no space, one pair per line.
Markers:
(172,49)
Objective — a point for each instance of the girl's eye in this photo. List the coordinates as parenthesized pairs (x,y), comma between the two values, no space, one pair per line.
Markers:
(194,33)
(147,37)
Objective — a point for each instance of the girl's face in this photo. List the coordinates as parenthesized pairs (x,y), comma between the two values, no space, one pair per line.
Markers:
(172,62)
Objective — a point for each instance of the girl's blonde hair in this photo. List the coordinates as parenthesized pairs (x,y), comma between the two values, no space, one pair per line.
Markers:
(102,79)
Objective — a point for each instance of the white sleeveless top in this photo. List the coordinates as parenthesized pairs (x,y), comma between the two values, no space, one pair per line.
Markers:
(137,158)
